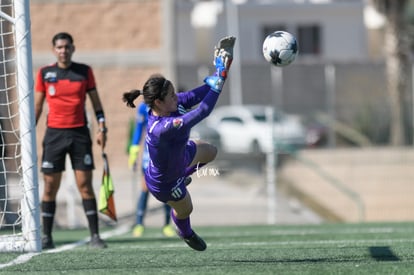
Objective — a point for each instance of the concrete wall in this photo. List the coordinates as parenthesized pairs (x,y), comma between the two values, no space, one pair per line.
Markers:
(354,185)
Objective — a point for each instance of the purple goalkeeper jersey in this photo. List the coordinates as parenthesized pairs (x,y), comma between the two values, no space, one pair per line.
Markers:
(167,137)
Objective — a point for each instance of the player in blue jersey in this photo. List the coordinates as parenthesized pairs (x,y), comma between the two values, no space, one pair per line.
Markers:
(134,151)
(173,157)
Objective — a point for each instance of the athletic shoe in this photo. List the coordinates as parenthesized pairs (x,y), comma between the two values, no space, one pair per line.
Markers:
(188,180)
(47,242)
(195,242)
(168,231)
(97,242)
(138,231)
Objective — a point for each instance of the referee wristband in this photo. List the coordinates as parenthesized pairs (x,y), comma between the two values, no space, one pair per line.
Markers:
(100,116)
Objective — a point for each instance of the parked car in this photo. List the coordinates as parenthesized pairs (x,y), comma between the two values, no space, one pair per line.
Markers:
(245,129)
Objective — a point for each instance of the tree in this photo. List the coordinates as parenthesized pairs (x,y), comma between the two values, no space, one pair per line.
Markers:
(397,64)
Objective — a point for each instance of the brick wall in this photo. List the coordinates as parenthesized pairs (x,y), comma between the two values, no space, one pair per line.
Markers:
(102,26)
(114,25)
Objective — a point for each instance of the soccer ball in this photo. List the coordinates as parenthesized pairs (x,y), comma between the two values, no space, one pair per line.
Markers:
(280,48)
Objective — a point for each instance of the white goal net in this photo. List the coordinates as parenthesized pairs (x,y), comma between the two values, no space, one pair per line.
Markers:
(19,195)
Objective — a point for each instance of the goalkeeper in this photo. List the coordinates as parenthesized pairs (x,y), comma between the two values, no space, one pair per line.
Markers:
(173,157)
(134,152)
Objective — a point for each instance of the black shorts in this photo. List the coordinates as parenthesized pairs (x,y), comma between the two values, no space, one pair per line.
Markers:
(57,143)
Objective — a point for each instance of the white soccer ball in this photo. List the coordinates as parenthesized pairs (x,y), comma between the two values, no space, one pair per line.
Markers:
(280,48)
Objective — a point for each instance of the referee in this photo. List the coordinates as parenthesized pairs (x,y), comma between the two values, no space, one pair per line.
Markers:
(64,85)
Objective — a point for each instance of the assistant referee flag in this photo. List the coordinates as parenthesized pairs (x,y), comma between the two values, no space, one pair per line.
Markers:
(106,203)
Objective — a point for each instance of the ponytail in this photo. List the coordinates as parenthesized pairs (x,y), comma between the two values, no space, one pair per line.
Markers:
(130,96)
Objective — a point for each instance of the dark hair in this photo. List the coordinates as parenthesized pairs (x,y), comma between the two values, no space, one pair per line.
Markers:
(156,87)
(62,35)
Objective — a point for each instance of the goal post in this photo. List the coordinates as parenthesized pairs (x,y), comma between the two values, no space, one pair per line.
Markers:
(19,190)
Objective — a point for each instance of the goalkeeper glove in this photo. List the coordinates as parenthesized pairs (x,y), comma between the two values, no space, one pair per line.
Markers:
(216,81)
(224,51)
(133,154)
(223,56)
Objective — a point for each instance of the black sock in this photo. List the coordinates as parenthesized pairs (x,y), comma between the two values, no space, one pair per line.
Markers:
(167,209)
(48,215)
(92,215)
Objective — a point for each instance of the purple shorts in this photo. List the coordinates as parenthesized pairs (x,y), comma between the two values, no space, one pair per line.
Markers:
(175,190)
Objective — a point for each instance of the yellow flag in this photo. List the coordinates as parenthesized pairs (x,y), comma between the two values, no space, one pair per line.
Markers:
(106,204)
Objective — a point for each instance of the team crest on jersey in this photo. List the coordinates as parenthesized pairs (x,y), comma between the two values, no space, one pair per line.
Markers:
(177,123)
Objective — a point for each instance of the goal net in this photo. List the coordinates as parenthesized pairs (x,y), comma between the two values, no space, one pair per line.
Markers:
(19,195)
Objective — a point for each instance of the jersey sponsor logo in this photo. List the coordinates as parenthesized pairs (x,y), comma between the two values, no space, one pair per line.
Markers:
(51,77)
(178,122)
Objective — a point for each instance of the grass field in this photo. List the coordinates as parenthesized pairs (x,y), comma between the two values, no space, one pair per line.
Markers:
(368,248)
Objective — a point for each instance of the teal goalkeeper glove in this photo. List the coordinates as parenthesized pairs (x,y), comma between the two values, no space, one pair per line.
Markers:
(223,56)
(133,154)
(216,81)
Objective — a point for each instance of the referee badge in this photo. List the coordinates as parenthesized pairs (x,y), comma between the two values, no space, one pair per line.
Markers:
(51,90)
(177,123)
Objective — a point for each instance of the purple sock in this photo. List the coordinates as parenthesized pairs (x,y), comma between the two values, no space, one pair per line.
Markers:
(183,226)
(193,168)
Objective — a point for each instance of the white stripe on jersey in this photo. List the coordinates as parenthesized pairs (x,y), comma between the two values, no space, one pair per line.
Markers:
(181,109)
(153,125)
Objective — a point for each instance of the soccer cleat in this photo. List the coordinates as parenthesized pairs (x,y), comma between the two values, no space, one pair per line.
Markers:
(96,242)
(195,242)
(138,231)
(168,231)
(47,242)
(187,181)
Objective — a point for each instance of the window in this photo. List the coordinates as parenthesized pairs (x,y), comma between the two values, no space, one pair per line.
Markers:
(309,37)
